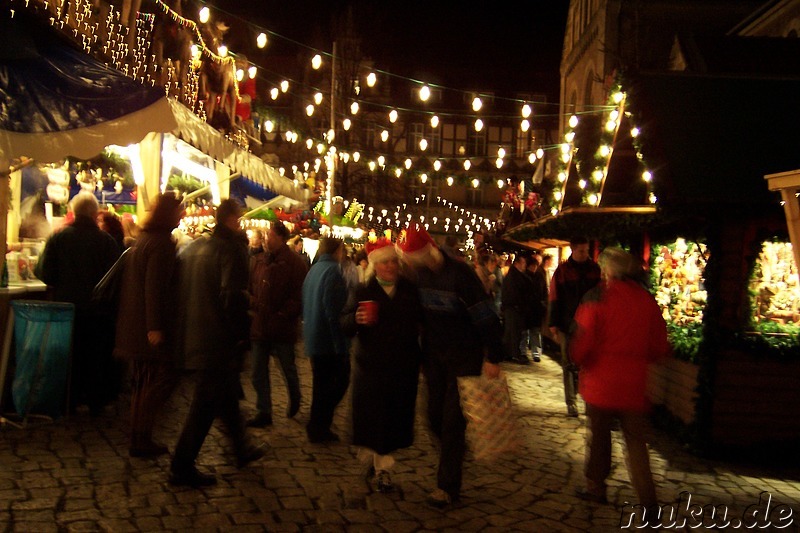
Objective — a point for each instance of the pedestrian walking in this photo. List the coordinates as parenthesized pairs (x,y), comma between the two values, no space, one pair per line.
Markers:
(385,317)
(324,297)
(461,337)
(517,291)
(145,322)
(276,284)
(214,332)
(571,280)
(619,333)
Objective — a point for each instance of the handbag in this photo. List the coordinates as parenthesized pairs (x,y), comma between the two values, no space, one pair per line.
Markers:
(106,293)
(492,428)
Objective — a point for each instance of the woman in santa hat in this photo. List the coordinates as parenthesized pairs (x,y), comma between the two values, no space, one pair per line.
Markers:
(385,319)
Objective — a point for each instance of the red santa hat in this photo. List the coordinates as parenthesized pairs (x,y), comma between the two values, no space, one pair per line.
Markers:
(380,250)
(415,242)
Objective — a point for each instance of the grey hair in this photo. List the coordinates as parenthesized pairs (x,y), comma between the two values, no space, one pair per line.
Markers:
(616,263)
(85,204)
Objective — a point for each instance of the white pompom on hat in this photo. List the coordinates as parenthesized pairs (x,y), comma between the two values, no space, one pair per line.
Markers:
(380,250)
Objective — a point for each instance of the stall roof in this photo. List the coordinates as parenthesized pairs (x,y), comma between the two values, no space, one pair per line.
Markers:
(57,101)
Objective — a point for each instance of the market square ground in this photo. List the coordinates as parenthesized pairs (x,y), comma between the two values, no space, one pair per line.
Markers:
(75,475)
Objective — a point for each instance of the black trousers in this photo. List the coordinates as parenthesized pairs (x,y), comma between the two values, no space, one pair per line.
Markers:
(216,395)
(446,419)
(331,377)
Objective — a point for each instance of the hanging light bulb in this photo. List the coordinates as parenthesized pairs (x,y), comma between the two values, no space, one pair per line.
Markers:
(531,158)
(345,157)
(371,166)
(222,50)
(557,195)
(346,124)
(525,125)
(618,96)
(284,86)
(635,132)
(269,126)
(437,165)
(565,148)
(274,93)
(501,152)
(356,157)
(393,116)
(500,184)
(204,15)
(540,153)
(309,143)
(320,148)
(330,136)
(398,172)
(316,62)
(318,98)
(582,184)
(381,160)
(526,111)
(569,136)
(423,178)
(653,199)
(647,176)
(434,121)
(478,125)
(477,104)
(407,163)
(354,108)
(239,74)
(310,109)
(371,79)
(289,135)
(573,121)
(476,183)
(384,136)
(499,162)
(450,181)
(424,93)
(261,40)
(605,150)
(252,71)
(562,177)
(597,175)
(423,144)
(467,164)
(593,199)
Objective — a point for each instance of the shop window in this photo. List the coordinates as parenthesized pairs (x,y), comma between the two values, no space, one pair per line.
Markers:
(774,285)
(677,281)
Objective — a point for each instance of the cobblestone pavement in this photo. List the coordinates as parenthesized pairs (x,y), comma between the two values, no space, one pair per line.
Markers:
(75,475)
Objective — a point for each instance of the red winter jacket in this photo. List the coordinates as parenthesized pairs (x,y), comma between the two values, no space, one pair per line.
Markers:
(620,332)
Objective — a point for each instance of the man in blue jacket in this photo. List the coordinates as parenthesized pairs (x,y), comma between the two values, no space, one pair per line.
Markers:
(324,297)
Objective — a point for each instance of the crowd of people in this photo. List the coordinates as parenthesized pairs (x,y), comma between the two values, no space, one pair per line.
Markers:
(370,324)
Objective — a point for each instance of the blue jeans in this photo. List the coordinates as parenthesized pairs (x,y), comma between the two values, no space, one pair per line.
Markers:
(284,353)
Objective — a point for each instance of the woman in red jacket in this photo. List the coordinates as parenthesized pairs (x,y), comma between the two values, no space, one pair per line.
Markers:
(620,332)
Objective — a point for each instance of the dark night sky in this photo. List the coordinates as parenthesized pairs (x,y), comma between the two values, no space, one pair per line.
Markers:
(501,46)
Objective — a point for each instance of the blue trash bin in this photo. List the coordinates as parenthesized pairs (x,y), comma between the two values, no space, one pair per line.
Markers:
(43,339)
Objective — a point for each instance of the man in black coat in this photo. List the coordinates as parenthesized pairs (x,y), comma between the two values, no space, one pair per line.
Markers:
(214,334)
(74,259)
(516,293)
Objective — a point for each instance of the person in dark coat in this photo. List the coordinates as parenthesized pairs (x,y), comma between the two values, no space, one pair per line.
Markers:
(536,308)
(214,335)
(145,325)
(572,279)
(324,298)
(387,361)
(74,259)
(516,292)
(276,283)
(461,337)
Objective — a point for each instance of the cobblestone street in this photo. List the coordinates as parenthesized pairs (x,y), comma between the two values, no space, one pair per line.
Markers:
(75,475)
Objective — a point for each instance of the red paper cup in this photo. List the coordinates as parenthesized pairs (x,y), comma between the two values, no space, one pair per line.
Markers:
(370,310)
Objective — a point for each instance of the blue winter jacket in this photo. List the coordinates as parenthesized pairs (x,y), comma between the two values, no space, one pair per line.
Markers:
(324,297)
